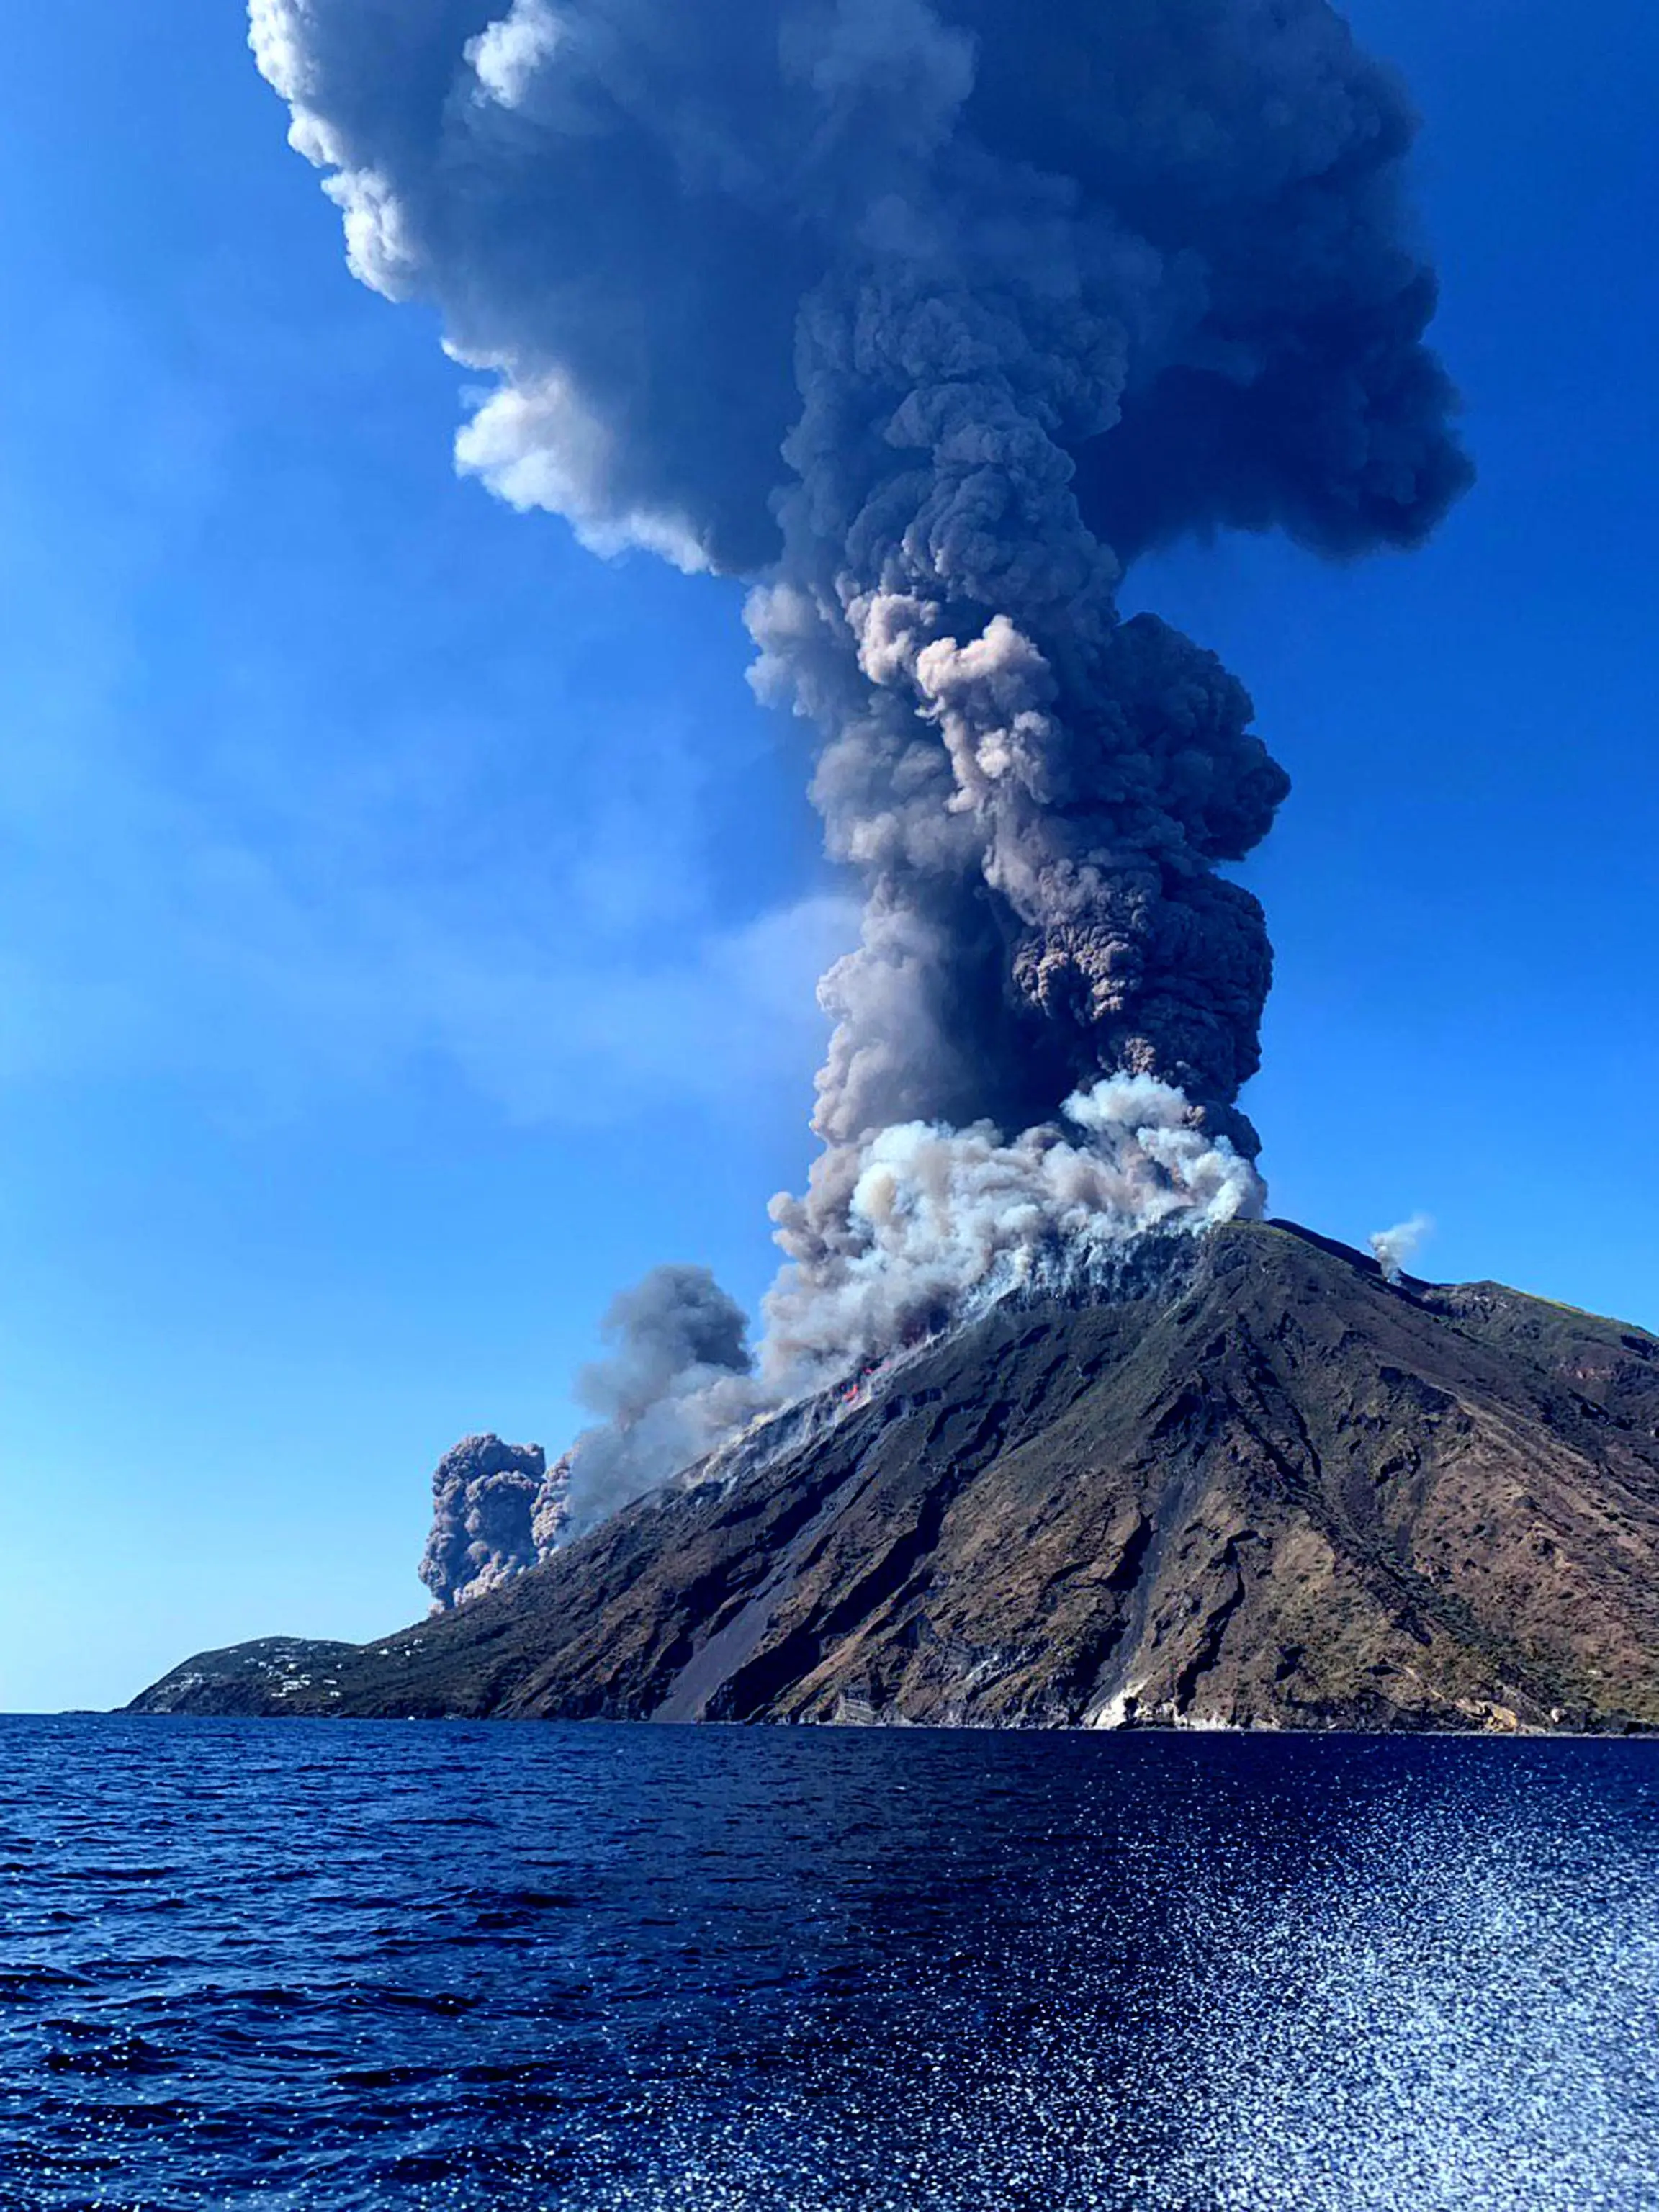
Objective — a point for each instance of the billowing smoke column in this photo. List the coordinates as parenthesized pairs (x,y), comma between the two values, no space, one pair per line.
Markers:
(496,1509)
(929,318)
(675,1381)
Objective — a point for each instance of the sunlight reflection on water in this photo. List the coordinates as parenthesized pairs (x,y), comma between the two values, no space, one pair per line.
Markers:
(313,1965)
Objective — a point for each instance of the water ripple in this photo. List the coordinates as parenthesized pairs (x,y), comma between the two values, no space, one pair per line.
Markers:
(295,1965)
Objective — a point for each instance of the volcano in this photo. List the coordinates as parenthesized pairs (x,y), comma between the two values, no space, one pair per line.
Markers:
(1259,1485)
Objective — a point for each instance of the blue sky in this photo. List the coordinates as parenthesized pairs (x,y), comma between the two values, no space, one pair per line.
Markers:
(410,920)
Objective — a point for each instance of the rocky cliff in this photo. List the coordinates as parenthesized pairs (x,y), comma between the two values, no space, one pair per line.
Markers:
(1268,1488)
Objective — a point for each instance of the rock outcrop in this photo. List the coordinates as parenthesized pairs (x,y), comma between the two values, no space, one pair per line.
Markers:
(1271,1488)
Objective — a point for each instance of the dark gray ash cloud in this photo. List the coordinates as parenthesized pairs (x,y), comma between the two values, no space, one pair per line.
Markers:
(493,1513)
(930,318)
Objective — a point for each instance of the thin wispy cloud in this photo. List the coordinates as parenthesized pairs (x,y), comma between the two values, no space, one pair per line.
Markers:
(164,931)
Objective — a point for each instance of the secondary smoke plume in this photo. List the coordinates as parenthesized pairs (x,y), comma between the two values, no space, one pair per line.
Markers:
(1397,1248)
(496,1509)
(929,318)
(675,1381)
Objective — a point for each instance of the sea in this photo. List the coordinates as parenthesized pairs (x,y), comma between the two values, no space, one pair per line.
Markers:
(293,1963)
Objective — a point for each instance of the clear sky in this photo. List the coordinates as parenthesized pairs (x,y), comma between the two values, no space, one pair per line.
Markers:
(410,919)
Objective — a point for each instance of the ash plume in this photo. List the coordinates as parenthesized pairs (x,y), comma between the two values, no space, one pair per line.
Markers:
(493,1513)
(1397,1248)
(928,319)
(675,1382)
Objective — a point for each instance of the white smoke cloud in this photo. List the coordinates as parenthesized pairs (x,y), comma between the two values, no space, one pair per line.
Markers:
(1397,1248)
(940,1219)
(941,1224)
(611,1466)
(534,445)
(508,53)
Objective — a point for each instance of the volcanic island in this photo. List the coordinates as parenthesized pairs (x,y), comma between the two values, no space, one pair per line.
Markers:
(1263,1487)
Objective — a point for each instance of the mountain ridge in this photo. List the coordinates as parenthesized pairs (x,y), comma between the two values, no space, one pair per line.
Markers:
(1268,1487)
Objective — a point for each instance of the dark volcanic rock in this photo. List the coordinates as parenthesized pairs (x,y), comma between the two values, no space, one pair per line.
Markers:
(1271,1490)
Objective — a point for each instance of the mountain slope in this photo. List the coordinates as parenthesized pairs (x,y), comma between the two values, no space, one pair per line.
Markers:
(258,1678)
(1275,1490)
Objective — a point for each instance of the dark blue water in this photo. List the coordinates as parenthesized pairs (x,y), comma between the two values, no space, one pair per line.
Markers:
(302,1964)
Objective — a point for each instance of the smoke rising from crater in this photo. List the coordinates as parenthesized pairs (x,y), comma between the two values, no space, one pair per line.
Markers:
(929,318)
(938,1214)
(1397,1248)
